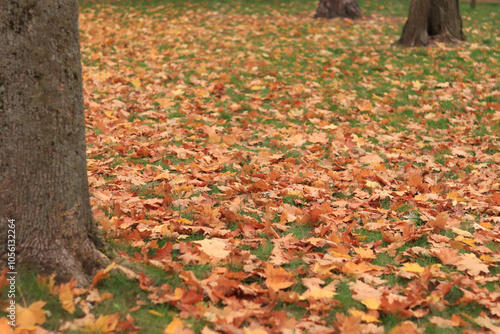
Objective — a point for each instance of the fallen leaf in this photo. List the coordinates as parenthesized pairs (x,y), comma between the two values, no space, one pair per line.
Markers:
(66,298)
(278,278)
(31,316)
(174,326)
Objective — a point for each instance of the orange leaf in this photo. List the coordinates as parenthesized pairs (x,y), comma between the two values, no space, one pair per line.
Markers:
(279,278)
(104,324)
(495,198)
(440,222)
(102,273)
(229,140)
(5,327)
(174,326)
(406,327)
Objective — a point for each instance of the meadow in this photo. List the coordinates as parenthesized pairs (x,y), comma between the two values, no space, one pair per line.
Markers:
(260,171)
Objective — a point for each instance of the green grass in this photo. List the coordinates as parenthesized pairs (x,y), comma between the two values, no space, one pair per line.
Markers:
(300,231)
(263,251)
(344,296)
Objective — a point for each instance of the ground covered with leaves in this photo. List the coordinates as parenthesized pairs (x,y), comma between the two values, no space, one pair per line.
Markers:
(260,171)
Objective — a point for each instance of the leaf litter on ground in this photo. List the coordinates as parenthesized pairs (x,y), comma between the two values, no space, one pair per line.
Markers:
(265,172)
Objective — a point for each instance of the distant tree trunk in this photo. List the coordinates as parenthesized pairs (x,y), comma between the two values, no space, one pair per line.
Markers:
(432,20)
(43,171)
(473,4)
(338,8)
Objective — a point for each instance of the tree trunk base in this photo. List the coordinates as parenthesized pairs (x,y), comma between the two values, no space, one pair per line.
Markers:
(338,8)
(72,259)
(432,21)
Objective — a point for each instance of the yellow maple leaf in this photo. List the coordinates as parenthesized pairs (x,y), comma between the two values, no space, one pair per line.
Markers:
(317,292)
(414,268)
(416,85)
(30,316)
(372,184)
(487,258)
(467,241)
(371,304)
(175,325)
(365,253)
(365,317)
(104,324)
(136,82)
(66,298)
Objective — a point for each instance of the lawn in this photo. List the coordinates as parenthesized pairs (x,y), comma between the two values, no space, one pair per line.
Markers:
(260,171)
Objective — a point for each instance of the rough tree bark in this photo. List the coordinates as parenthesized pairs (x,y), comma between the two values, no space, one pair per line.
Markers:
(43,171)
(338,8)
(432,20)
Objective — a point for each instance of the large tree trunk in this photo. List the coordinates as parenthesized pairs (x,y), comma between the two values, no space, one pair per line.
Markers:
(338,8)
(432,20)
(43,172)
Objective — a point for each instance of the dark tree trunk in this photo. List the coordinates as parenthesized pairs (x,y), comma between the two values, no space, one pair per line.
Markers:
(338,8)
(473,4)
(43,171)
(432,20)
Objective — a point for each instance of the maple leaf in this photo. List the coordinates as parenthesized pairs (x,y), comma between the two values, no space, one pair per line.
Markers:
(278,278)
(362,291)
(447,256)
(412,268)
(364,316)
(371,304)
(487,323)
(101,274)
(315,291)
(5,327)
(441,322)
(136,82)
(214,248)
(350,324)
(103,324)
(174,326)
(406,327)
(365,253)
(318,138)
(373,159)
(439,222)
(30,316)
(472,265)
(66,298)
